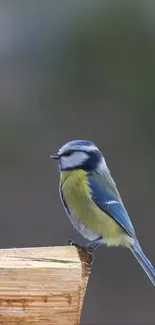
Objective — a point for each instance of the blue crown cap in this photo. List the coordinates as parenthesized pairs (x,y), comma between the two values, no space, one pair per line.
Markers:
(82,142)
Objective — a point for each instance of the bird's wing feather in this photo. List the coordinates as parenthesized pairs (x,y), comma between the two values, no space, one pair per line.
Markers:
(106,197)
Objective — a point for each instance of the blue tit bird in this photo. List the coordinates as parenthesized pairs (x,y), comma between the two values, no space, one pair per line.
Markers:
(92,201)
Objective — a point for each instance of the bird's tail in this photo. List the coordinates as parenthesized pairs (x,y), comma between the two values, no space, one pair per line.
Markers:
(144,262)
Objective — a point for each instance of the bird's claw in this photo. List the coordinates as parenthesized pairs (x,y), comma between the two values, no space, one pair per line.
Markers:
(88,250)
(91,256)
(71,242)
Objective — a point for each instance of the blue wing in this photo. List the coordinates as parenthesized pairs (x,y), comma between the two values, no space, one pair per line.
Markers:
(107,198)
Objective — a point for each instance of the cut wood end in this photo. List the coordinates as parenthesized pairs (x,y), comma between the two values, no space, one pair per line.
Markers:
(43,285)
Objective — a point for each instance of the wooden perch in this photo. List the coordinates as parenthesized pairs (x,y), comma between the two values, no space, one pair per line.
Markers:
(42,285)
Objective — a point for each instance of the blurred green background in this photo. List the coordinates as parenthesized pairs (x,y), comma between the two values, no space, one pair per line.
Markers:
(80,70)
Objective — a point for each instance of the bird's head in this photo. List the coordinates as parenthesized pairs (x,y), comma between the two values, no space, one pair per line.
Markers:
(80,154)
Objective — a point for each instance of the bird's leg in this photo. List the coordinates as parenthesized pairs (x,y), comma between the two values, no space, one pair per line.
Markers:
(94,244)
(89,248)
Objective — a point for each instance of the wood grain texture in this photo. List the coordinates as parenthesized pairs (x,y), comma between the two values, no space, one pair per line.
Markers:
(42,285)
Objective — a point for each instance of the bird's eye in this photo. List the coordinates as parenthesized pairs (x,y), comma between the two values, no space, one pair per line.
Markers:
(68,153)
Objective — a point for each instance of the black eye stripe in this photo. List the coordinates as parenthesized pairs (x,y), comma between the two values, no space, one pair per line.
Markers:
(67,153)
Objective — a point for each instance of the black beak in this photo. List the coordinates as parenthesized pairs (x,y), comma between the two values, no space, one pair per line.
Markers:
(54,156)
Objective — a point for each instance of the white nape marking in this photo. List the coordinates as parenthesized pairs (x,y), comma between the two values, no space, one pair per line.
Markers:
(112,202)
(74,160)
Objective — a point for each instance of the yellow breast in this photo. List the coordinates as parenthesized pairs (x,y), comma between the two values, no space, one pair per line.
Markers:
(74,183)
(78,197)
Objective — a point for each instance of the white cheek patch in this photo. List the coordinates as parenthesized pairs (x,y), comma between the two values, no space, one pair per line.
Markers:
(74,160)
